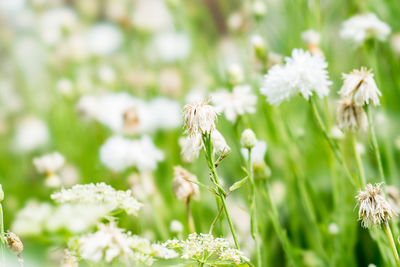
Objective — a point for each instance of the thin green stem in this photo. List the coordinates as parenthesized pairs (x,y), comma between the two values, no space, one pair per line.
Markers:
(357,156)
(374,143)
(332,144)
(389,235)
(2,237)
(214,222)
(216,181)
(192,227)
(253,210)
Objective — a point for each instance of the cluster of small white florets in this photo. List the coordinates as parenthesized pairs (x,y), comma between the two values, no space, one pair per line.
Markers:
(49,164)
(99,193)
(302,74)
(205,248)
(200,120)
(119,153)
(362,27)
(374,209)
(236,103)
(111,243)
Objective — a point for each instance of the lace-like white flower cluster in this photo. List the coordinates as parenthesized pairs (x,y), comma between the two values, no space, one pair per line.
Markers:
(205,248)
(99,193)
(111,243)
(302,74)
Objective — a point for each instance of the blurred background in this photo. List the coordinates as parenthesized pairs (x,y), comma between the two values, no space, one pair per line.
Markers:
(57,58)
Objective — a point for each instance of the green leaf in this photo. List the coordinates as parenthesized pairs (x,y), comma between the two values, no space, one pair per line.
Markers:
(238,184)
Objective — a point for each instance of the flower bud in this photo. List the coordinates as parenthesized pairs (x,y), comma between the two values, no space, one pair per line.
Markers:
(235,74)
(176,226)
(14,243)
(259,47)
(259,9)
(248,139)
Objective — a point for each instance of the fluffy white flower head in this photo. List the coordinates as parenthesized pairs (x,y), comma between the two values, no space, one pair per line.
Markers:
(185,190)
(302,74)
(373,207)
(236,103)
(199,118)
(360,85)
(362,27)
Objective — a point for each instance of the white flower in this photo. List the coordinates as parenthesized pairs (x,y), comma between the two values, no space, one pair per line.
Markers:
(351,117)
(311,37)
(31,219)
(362,27)
(31,134)
(49,163)
(248,139)
(176,226)
(115,153)
(302,74)
(333,228)
(185,190)
(151,15)
(373,207)
(360,85)
(199,118)
(235,104)
(100,194)
(257,153)
(64,86)
(206,249)
(171,46)
(395,43)
(55,22)
(104,39)
(146,154)
(219,143)
(235,74)
(190,147)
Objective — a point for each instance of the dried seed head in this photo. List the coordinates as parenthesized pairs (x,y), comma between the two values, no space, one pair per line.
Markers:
(361,87)
(351,117)
(14,243)
(373,207)
(199,118)
(183,189)
(248,139)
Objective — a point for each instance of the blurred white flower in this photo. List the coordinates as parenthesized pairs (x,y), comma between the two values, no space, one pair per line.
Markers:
(104,39)
(65,86)
(302,74)
(119,153)
(49,163)
(312,39)
(106,74)
(333,228)
(69,175)
(219,143)
(351,117)
(185,190)
(257,152)
(55,22)
(362,27)
(360,85)
(30,221)
(171,46)
(31,134)
(235,74)
(176,226)
(190,147)
(236,103)
(395,43)
(99,194)
(151,15)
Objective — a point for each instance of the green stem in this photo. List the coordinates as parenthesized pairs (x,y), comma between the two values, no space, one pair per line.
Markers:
(374,142)
(389,235)
(2,237)
(357,156)
(216,180)
(192,227)
(214,222)
(332,144)
(253,210)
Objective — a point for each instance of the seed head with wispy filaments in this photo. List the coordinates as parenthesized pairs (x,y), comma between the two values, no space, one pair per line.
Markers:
(351,117)
(361,87)
(302,74)
(199,118)
(373,207)
(185,190)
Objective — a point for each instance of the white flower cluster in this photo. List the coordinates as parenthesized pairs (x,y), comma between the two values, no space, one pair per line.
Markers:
(171,46)
(49,163)
(205,248)
(37,218)
(362,27)
(119,153)
(302,74)
(123,113)
(111,243)
(99,193)
(31,134)
(236,103)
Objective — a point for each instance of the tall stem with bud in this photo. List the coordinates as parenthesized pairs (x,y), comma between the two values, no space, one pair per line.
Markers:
(215,179)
